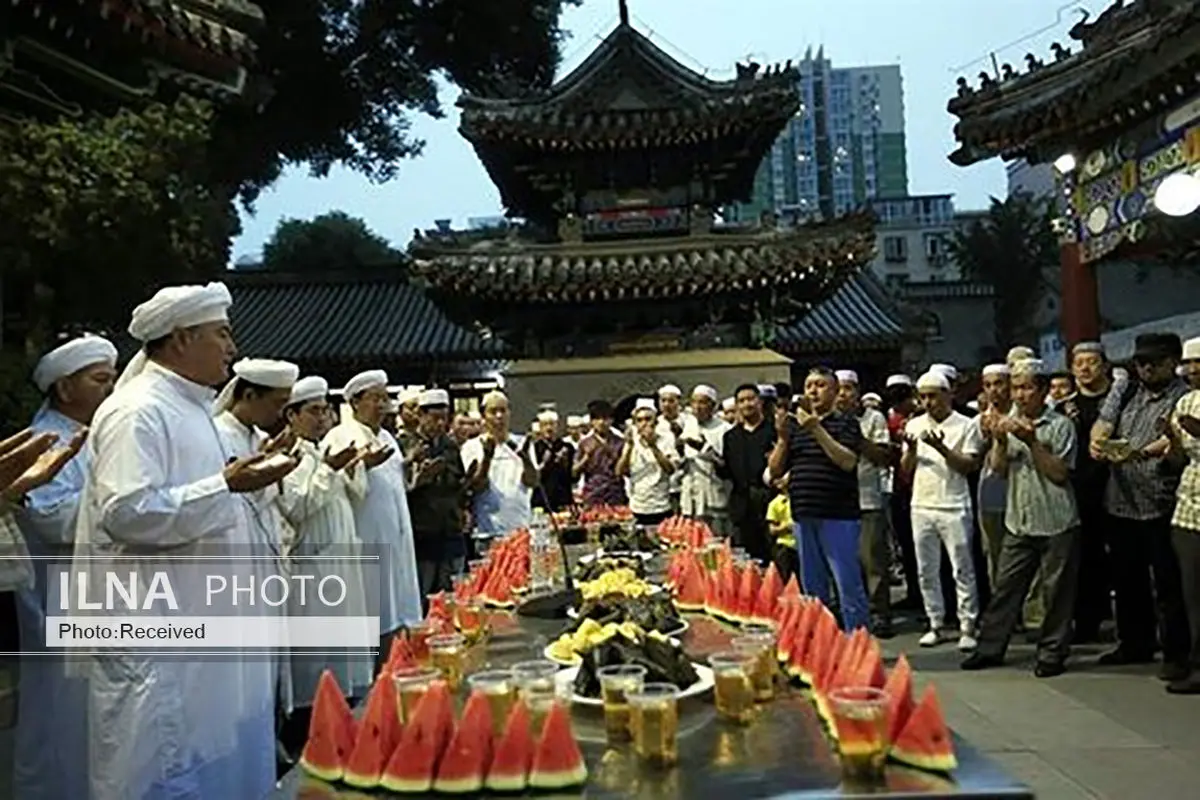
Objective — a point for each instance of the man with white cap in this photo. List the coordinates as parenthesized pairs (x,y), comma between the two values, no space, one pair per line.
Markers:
(671,417)
(408,419)
(162,480)
(553,455)
(1184,433)
(317,500)
(1034,448)
(900,401)
(874,548)
(436,492)
(993,492)
(703,493)
(381,518)
(729,410)
(942,448)
(500,471)
(648,458)
(51,748)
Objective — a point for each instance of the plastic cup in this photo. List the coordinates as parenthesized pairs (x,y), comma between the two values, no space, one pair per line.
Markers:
(616,682)
(733,679)
(411,684)
(710,556)
(654,722)
(538,688)
(418,639)
(860,718)
(760,647)
(468,618)
(446,654)
(498,687)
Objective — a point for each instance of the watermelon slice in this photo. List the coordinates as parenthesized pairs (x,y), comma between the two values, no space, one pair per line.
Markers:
(414,762)
(768,595)
(514,753)
(728,582)
(466,760)
(788,631)
(557,761)
(331,732)
(869,670)
(791,589)
(378,735)
(900,701)
(747,594)
(924,741)
(401,655)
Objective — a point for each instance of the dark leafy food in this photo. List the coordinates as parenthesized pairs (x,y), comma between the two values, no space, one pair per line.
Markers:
(622,540)
(653,612)
(665,662)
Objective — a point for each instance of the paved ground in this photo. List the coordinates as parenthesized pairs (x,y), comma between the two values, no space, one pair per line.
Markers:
(1091,733)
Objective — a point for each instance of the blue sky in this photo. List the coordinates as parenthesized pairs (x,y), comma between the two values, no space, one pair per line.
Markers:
(932,40)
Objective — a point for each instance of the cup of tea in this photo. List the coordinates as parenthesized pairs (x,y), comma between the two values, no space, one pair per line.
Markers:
(733,686)
(418,640)
(538,688)
(468,619)
(616,681)
(446,653)
(860,719)
(759,645)
(654,722)
(501,692)
(411,684)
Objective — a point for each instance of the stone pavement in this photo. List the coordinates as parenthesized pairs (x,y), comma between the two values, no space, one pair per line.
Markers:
(1095,732)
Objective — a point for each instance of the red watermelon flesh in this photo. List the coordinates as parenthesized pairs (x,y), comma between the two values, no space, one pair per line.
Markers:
(900,700)
(378,735)
(819,645)
(401,654)
(728,580)
(414,763)
(691,588)
(788,631)
(790,590)
(869,671)
(747,596)
(924,741)
(465,763)
(768,595)
(330,732)
(509,771)
(557,761)
(711,600)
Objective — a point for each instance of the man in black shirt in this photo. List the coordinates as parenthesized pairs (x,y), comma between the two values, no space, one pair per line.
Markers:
(746,446)
(819,447)
(436,491)
(553,457)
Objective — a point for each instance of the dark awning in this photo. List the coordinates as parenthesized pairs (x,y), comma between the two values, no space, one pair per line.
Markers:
(859,316)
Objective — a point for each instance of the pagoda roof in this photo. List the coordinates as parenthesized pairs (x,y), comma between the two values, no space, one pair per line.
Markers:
(725,261)
(1138,59)
(858,316)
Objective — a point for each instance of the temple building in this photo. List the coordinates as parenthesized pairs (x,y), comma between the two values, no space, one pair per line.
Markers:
(1118,116)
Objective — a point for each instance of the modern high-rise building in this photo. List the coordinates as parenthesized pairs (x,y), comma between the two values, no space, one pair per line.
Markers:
(843,147)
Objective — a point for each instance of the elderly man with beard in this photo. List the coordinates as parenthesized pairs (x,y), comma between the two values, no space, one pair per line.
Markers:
(993,491)
(671,416)
(704,494)
(51,748)
(435,494)
(500,471)
(648,459)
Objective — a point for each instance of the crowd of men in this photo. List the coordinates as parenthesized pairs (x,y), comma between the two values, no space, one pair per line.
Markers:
(1053,500)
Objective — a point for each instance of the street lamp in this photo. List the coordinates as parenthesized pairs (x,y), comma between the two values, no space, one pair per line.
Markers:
(1178,195)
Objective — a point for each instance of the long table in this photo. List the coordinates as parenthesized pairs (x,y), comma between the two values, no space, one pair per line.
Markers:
(784,754)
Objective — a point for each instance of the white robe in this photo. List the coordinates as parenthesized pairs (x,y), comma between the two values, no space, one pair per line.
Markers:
(317,501)
(50,760)
(383,525)
(702,491)
(164,726)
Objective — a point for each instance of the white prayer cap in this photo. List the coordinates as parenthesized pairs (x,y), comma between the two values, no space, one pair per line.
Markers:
(547,415)
(310,387)
(433,397)
(846,376)
(767,390)
(670,390)
(729,404)
(169,309)
(996,369)
(948,370)
(69,358)
(898,380)
(1088,347)
(574,421)
(261,372)
(409,395)
(704,390)
(644,403)
(973,405)
(934,380)
(587,419)
(1019,353)
(872,397)
(1191,349)
(1180,371)
(371,379)
(1029,366)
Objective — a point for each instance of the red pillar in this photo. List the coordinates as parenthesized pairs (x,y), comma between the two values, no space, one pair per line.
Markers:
(1079,312)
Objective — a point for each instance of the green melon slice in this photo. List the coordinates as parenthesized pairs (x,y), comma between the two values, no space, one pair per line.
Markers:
(924,742)
(509,771)
(330,732)
(557,761)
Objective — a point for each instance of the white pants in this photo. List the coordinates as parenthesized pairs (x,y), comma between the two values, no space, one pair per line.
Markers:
(933,528)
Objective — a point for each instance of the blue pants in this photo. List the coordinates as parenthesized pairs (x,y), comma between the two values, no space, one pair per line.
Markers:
(831,545)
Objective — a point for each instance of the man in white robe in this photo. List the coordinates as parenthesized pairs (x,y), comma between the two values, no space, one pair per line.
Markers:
(317,500)
(381,518)
(51,750)
(161,482)
(704,494)
(671,417)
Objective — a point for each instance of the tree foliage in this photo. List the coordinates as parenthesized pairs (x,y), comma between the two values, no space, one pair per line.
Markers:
(1010,248)
(96,210)
(345,75)
(330,242)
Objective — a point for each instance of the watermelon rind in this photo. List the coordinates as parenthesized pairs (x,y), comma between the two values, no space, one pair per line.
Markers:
(915,745)
(329,732)
(557,761)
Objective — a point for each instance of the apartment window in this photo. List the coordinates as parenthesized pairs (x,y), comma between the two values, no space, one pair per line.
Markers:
(895,249)
(937,249)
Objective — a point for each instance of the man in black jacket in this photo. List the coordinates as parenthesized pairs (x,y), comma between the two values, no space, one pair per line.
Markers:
(436,488)
(746,447)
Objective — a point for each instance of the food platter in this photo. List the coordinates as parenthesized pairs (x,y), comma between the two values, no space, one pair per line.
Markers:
(548,651)
(704,684)
(590,557)
(655,589)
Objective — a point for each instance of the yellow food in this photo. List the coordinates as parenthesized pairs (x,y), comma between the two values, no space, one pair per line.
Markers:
(622,581)
(590,634)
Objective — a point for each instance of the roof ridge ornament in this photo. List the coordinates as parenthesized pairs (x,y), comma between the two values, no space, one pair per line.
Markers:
(623,11)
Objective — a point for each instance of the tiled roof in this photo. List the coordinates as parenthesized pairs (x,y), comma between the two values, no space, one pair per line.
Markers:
(352,318)
(1138,60)
(221,28)
(858,316)
(808,258)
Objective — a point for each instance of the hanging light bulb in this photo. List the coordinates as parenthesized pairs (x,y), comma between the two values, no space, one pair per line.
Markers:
(1178,195)
(1064,163)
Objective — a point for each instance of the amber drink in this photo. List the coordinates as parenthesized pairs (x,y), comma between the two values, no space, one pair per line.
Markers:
(446,653)
(411,684)
(733,686)
(535,684)
(758,643)
(616,682)
(710,556)
(654,723)
(468,619)
(498,687)
(418,639)
(860,718)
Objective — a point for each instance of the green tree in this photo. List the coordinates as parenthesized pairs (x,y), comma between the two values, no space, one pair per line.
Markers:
(330,242)
(95,211)
(1010,247)
(346,75)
